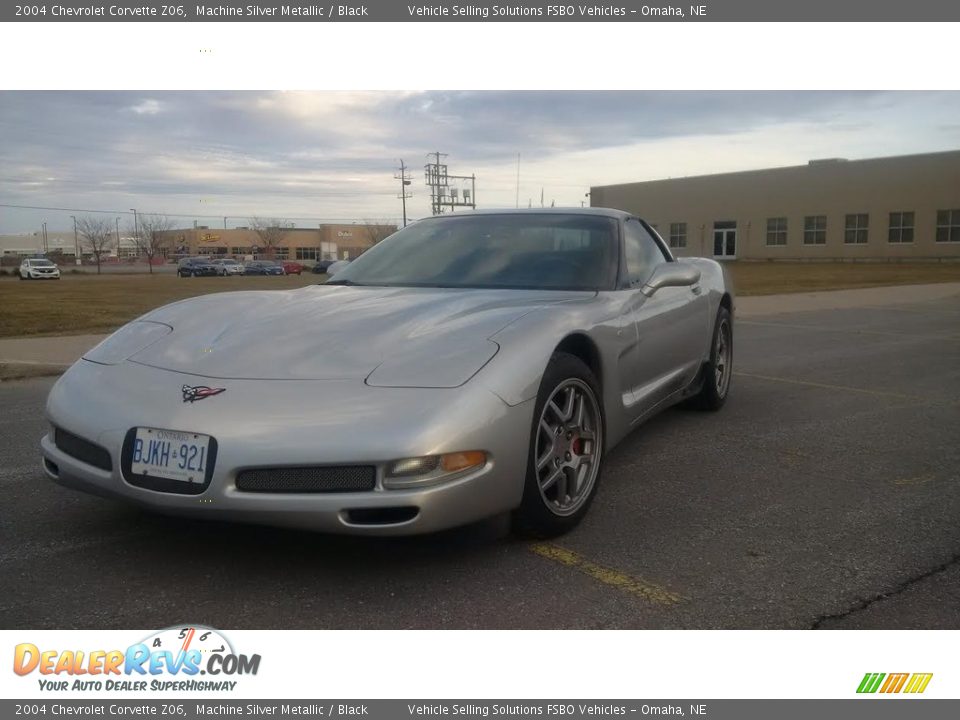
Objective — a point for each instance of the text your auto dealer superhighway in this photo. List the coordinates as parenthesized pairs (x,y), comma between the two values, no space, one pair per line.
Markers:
(103,11)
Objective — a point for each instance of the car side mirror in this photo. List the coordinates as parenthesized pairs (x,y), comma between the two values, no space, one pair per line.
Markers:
(672,274)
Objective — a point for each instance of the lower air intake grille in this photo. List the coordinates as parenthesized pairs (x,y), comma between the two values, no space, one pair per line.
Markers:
(345,478)
(82,450)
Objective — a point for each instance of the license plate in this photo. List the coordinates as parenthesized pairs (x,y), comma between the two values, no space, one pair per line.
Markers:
(170,454)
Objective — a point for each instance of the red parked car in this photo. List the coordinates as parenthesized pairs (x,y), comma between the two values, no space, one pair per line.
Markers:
(292,268)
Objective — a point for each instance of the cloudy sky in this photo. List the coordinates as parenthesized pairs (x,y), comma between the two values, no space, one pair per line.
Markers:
(316,156)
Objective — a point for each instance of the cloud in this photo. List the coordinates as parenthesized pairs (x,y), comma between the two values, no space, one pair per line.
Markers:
(334,154)
(146,107)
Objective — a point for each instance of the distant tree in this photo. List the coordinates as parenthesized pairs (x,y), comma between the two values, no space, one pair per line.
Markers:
(96,237)
(151,236)
(375,230)
(271,232)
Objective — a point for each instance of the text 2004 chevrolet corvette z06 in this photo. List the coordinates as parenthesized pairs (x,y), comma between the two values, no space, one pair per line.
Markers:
(468,365)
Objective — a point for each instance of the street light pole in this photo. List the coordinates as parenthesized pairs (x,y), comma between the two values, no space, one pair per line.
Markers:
(76,240)
(118,238)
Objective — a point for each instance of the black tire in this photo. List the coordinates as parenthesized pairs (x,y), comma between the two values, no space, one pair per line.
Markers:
(537,516)
(19,275)
(715,390)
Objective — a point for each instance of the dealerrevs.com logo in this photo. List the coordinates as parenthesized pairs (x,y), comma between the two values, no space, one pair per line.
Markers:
(181,658)
(911,683)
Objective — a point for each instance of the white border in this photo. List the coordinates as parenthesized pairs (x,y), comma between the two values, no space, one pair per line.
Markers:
(404,56)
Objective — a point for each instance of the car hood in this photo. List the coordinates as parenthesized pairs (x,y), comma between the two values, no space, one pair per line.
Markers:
(397,337)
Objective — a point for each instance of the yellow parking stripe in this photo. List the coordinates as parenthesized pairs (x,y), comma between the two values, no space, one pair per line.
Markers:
(635,586)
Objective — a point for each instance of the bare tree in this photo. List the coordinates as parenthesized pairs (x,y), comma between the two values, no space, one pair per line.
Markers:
(96,236)
(150,236)
(376,230)
(271,232)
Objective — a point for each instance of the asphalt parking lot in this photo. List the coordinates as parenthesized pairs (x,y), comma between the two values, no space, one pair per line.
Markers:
(826,494)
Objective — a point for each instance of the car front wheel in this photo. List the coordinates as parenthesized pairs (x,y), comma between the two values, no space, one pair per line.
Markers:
(719,368)
(566,450)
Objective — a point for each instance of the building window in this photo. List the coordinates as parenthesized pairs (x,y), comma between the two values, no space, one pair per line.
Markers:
(815,230)
(308,253)
(777,231)
(678,235)
(856,231)
(901,227)
(281,253)
(948,225)
(241,251)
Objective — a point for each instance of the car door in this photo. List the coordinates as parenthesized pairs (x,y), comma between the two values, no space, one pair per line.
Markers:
(669,324)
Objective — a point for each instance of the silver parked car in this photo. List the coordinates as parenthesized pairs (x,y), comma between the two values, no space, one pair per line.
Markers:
(228,266)
(469,365)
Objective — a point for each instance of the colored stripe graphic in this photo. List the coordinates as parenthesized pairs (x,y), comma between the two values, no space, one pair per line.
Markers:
(895,683)
(918,683)
(870,682)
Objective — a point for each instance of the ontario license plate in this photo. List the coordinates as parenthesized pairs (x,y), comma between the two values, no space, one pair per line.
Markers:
(170,454)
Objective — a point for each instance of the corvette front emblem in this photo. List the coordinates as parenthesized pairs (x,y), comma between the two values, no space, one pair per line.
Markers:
(199,392)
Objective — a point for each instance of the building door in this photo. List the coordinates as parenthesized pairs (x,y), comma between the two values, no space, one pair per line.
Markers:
(725,239)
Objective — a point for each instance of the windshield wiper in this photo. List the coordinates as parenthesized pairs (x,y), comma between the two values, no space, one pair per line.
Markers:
(341,282)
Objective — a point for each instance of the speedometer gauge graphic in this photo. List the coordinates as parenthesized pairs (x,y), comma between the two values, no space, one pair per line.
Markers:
(183,638)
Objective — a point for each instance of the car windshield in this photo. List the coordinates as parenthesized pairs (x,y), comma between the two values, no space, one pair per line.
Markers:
(41,263)
(548,251)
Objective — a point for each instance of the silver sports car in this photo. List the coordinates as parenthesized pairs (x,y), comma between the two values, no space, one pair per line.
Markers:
(469,365)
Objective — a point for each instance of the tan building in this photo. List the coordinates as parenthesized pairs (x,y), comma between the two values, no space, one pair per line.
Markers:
(905,207)
(326,242)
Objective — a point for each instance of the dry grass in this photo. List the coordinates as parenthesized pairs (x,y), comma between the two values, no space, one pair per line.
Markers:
(754,278)
(91,303)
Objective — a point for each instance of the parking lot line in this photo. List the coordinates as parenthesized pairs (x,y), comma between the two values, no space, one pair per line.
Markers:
(828,386)
(608,576)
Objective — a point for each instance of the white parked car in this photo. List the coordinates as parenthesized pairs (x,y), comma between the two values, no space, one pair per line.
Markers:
(39,269)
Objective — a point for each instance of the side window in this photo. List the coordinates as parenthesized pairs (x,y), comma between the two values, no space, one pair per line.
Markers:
(641,251)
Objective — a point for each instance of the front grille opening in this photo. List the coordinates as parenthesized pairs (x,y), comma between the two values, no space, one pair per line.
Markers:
(82,450)
(327,479)
(381,516)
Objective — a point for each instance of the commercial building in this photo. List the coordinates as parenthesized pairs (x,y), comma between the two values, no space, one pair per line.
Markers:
(326,242)
(893,208)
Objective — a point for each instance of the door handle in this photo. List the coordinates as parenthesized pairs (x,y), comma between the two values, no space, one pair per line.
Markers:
(695,289)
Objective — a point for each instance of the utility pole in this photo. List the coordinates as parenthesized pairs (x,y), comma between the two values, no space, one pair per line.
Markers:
(118,237)
(76,240)
(518,180)
(443,194)
(46,242)
(224,222)
(405,180)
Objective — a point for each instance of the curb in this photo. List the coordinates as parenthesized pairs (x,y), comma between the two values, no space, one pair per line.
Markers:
(10,370)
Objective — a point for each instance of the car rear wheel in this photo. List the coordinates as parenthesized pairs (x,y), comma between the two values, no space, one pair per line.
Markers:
(719,368)
(566,450)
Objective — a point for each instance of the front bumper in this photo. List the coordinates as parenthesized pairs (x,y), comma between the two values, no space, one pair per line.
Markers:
(281,423)
(36,275)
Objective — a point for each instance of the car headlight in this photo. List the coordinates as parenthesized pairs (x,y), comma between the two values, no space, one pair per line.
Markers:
(127,341)
(431,469)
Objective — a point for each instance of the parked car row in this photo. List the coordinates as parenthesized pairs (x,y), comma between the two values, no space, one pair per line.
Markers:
(201,267)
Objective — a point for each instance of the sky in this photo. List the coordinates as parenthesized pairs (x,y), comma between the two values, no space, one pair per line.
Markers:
(309,157)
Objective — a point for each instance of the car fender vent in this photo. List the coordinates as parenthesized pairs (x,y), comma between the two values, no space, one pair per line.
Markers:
(82,450)
(322,479)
